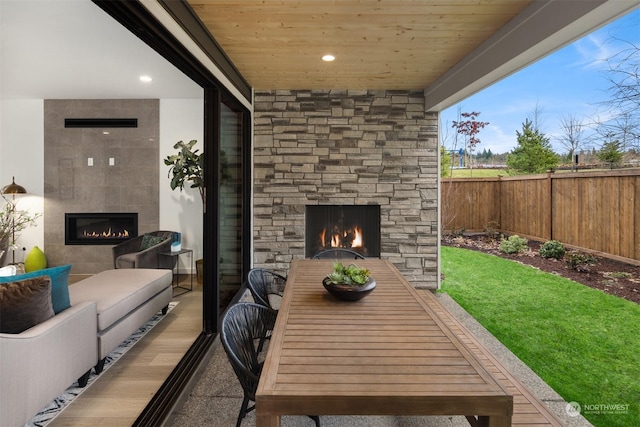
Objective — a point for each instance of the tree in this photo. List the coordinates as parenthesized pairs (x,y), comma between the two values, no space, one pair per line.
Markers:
(533,153)
(623,117)
(469,129)
(571,139)
(611,153)
(445,162)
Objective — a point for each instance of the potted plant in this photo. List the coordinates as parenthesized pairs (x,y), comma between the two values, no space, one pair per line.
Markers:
(349,283)
(12,221)
(187,166)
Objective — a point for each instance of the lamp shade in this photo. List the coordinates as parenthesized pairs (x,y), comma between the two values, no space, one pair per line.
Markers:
(13,188)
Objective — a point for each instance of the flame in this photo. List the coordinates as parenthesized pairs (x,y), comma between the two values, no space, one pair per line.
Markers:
(339,239)
(357,240)
(105,234)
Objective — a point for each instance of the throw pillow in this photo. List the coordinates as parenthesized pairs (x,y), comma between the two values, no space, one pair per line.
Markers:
(149,240)
(59,284)
(24,304)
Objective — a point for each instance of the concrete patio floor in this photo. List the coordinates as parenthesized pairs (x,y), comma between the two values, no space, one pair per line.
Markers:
(215,397)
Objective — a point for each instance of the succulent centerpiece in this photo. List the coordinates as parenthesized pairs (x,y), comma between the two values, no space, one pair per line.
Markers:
(349,283)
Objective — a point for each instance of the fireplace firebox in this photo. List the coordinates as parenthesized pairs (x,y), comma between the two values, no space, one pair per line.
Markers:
(342,226)
(99,228)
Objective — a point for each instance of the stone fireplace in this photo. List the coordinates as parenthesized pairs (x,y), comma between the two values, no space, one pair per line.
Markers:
(347,148)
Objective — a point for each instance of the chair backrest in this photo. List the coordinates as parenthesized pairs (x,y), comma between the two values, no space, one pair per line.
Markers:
(337,253)
(243,325)
(266,287)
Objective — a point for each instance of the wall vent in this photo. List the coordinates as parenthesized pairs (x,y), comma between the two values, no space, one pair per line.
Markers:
(101,123)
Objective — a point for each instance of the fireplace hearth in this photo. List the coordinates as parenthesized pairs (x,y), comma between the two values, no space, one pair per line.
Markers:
(99,228)
(339,226)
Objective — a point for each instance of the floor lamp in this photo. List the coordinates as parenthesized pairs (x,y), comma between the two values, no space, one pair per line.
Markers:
(13,189)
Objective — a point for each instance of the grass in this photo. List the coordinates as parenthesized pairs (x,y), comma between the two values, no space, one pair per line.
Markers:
(477,173)
(582,342)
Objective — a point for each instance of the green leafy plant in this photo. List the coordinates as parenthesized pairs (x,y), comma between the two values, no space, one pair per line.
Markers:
(186,166)
(347,275)
(552,249)
(513,245)
(578,260)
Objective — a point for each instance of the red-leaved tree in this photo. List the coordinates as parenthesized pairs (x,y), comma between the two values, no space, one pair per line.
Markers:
(469,128)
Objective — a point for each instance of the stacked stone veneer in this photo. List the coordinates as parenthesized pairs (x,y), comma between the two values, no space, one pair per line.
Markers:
(347,148)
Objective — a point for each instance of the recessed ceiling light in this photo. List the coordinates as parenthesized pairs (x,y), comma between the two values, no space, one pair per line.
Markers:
(328,58)
(145,79)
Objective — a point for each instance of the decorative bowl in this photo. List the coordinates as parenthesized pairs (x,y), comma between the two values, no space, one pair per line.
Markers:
(349,292)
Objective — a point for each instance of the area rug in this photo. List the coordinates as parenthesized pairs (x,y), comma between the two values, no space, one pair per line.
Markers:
(56,406)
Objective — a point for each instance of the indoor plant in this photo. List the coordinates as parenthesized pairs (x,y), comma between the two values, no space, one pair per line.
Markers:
(349,283)
(12,221)
(184,167)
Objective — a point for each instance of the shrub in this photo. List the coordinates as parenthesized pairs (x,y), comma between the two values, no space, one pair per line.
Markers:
(491,229)
(577,260)
(552,249)
(513,245)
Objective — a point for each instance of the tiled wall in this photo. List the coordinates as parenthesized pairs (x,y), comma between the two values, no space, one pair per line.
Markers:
(347,147)
(71,185)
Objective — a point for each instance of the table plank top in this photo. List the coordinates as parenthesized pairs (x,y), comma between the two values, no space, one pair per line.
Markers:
(388,353)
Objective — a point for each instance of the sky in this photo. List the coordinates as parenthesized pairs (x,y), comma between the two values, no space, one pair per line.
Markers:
(570,81)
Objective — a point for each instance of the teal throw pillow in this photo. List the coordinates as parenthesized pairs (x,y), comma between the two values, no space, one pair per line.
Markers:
(59,284)
(148,241)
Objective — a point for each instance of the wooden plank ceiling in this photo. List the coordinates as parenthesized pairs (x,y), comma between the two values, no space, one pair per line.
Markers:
(378,44)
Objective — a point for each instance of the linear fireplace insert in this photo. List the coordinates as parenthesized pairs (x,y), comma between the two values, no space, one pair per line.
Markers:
(99,228)
(342,226)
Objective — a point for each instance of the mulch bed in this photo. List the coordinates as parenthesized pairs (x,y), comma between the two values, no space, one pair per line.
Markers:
(610,276)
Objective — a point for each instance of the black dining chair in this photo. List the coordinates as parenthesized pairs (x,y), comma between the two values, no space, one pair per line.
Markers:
(266,287)
(243,326)
(337,253)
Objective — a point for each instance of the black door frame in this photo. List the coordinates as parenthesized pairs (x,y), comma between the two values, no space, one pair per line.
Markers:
(137,19)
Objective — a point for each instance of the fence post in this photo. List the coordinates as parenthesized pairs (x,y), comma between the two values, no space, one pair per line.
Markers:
(550,199)
(500,201)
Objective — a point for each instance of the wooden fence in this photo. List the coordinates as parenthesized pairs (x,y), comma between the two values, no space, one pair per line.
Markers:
(597,211)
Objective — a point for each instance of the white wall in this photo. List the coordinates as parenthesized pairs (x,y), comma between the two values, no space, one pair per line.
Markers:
(181,120)
(22,156)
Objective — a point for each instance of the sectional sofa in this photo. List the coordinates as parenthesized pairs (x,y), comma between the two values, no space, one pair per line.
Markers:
(99,312)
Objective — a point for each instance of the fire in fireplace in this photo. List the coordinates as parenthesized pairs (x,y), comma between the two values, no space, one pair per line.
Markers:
(340,226)
(99,228)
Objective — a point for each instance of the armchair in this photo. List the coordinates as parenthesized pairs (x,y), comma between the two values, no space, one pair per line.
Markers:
(128,254)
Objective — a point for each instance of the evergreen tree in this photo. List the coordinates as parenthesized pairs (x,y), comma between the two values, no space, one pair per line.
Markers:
(533,153)
(445,162)
(611,153)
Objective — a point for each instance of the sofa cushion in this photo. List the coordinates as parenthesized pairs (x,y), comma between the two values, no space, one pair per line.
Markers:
(59,284)
(24,304)
(120,291)
(149,240)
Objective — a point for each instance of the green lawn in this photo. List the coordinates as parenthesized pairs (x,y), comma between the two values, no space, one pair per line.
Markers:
(582,342)
(477,173)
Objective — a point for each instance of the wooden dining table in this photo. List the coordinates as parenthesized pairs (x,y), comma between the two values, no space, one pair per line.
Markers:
(386,354)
